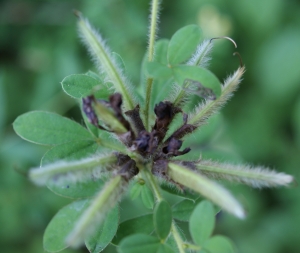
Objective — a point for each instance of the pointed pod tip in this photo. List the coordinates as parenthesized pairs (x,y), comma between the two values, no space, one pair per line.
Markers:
(77,14)
(240,213)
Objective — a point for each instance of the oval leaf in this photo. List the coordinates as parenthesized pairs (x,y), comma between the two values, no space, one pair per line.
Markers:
(73,151)
(48,128)
(139,242)
(218,244)
(61,225)
(103,235)
(183,44)
(142,224)
(147,197)
(201,81)
(202,222)
(80,85)
(135,190)
(158,70)
(162,218)
(183,209)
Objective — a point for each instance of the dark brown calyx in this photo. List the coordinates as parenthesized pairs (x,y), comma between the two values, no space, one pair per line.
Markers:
(115,102)
(89,111)
(160,168)
(128,170)
(146,142)
(165,112)
(135,120)
(183,130)
(172,149)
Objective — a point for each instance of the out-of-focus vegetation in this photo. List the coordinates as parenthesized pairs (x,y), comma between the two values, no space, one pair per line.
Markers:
(260,125)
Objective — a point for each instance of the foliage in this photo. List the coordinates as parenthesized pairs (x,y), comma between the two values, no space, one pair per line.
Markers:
(99,152)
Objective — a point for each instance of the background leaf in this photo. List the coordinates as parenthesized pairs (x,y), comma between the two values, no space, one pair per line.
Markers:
(149,244)
(198,74)
(147,197)
(202,222)
(61,225)
(162,218)
(81,85)
(183,209)
(183,44)
(142,224)
(49,128)
(74,151)
(103,235)
(218,244)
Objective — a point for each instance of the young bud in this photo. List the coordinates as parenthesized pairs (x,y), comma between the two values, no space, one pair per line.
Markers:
(75,170)
(92,217)
(205,187)
(254,176)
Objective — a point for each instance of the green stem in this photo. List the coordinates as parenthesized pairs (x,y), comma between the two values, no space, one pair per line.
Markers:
(96,45)
(153,28)
(191,246)
(147,102)
(177,237)
(95,213)
(155,188)
(152,35)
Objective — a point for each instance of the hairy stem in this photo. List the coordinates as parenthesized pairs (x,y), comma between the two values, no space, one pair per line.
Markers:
(96,46)
(155,189)
(177,237)
(152,35)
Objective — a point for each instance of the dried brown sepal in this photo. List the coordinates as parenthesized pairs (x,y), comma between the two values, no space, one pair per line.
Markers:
(146,142)
(160,168)
(122,159)
(128,170)
(165,112)
(172,149)
(115,102)
(135,120)
(89,111)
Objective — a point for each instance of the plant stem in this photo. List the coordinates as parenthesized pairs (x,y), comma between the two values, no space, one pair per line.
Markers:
(153,28)
(177,237)
(150,179)
(152,35)
(147,102)
(155,189)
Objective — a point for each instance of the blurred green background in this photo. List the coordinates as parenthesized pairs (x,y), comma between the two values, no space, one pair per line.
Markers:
(39,46)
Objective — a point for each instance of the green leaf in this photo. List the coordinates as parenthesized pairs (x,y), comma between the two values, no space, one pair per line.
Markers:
(61,225)
(164,248)
(134,244)
(80,85)
(135,190)
(183,209)
(147,197)
(142,224)
(162,219)
(73,151)
(95,75)
(161,48)
(48,128)
(218,244)
(183,44)
(175,191)
(146,243)
(161,51)
(103,235)
(202,77)
(158,70)
(202,222)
